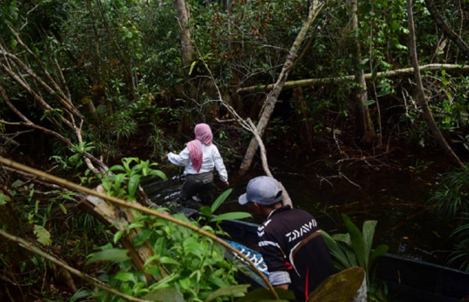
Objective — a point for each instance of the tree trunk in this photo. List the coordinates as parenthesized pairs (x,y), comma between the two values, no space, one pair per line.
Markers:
(365,128)
(446,29)
(187,49)
(421,95)
(273,95)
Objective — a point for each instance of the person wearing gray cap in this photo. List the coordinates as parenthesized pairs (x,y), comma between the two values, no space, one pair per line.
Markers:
(290,240)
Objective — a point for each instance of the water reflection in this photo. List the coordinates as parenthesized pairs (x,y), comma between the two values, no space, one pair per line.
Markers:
(396,199)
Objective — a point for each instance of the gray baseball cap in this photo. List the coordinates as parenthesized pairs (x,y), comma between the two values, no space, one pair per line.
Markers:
(262,190)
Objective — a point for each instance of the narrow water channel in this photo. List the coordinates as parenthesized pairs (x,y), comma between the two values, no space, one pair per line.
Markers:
(393,194)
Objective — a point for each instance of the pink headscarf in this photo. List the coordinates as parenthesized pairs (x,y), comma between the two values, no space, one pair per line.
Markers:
(203,135)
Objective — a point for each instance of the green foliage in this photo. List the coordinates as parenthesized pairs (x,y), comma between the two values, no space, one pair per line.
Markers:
(355,248)
(186,265)
(460,255)
(452,196)
(125,184)
(209,211)
(4,199)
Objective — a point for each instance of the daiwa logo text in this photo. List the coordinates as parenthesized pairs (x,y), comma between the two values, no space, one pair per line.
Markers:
(304,229)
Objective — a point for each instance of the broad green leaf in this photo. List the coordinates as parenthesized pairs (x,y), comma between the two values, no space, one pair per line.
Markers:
(340,287)
(369,102)
(368,230)
(220,200)
(163,282)
(142,236)
(154,271)
(118,235)
(350,254)
(336,250)
(232,215)
(345,238)
(117,255)
(228,291)
(80,294)
(378,252)
(43,235)
(133,184)
(136,169)
(4,199)
(171,294)
(126,277)
(135,226)
(168,260)
(117,168)
(206,211)
(357,240)
(217,281)
(191,246)
(158,173)
(118,179)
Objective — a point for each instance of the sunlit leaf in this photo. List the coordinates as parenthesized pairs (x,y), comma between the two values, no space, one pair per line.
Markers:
(118,235)
(158,173)
(168,260)
(43,235)
(133,184)
(231,215)
(220,200)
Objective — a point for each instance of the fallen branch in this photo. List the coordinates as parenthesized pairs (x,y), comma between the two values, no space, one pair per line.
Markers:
(368,76)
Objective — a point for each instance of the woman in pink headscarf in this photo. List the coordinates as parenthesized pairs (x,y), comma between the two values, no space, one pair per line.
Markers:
(199,158)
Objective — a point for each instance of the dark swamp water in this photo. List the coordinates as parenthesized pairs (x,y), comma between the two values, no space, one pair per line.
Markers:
(392,191)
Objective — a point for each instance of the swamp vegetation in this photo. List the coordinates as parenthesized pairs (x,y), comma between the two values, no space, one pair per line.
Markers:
(95,93)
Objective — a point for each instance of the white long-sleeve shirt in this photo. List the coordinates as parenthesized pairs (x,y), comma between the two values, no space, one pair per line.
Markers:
(211,159)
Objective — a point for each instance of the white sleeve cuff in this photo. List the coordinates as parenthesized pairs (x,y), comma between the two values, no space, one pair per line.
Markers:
(280,277)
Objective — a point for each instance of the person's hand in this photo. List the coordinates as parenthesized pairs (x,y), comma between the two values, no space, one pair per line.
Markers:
(227,183)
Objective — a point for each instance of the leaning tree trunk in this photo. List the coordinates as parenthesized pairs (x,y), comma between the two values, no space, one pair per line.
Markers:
(271,100)
(421,95)
(365,127)
(187,49)
(446,29)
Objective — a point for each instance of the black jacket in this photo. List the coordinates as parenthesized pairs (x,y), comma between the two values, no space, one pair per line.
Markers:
(291,244)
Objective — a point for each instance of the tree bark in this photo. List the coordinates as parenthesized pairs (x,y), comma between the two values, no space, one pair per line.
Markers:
(271,100)
(421,95)
(187,49)
(446,29)
(365,128)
